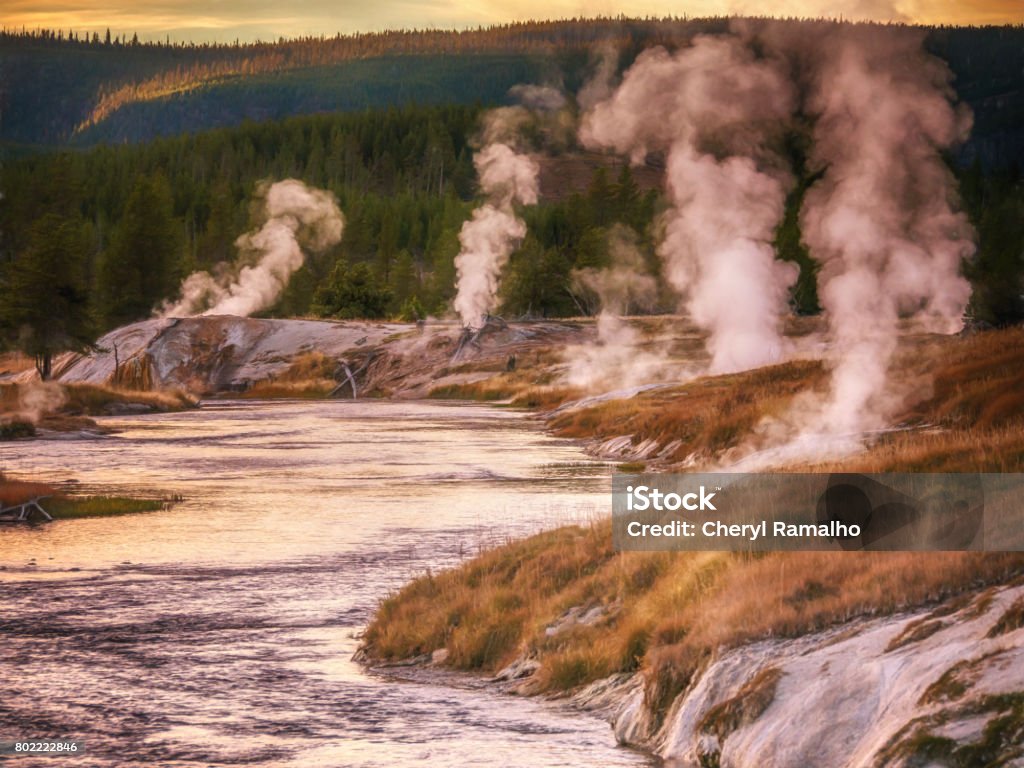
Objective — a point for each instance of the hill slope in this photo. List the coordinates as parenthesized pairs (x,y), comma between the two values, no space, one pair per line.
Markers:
(57,91)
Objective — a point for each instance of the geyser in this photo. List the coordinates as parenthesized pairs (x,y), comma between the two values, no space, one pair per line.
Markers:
(715,109)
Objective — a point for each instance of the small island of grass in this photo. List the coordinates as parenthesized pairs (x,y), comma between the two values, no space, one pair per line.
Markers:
(61,505)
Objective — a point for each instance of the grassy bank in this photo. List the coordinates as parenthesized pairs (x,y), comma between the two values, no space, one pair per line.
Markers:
(964,409)
(25,408)
(666,614)
(74,507)
(309,376)
(93,400)
(64,506)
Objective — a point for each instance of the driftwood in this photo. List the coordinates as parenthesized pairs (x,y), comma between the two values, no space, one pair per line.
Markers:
(350,375)
(467,334)
(22,513)
(350,380)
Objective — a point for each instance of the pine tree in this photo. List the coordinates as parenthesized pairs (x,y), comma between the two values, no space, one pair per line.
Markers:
(351,292)
(536,282)
(404,278)
(46,310)
(142,266)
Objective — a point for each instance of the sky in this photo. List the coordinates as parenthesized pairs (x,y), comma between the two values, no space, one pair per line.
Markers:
(227,20)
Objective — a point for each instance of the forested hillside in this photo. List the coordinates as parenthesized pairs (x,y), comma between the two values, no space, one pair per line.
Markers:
(141,217)
(100,235)
(58,87)
(404,179)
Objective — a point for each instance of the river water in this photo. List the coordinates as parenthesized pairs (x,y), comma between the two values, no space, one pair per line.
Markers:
(220,632)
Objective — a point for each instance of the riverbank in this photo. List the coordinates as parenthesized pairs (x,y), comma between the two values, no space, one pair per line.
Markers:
(681,649)
(683,652)
(32,408)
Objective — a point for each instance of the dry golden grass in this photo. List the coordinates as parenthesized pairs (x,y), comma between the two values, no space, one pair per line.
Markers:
(971,417)
(310,375)
(15,362)
(18,491)
(668,613)
(93,400)
(545,398)
(531,385)
(9,399)
(270,390)
(978,382)
(999,449)
(77,403)
(706,416)
(310,366)
(488,390)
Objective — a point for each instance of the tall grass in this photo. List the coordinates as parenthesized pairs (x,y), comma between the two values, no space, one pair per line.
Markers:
(704,417)
(971,417)
(74,507)
(666,613)
(63,506)
(310,375)
(18,491)
(94,400)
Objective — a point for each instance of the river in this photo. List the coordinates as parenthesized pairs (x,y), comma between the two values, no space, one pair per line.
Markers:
(220,631)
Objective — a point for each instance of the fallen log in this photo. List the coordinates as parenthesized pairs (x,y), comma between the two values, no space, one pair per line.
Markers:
(350,376)
(350,381)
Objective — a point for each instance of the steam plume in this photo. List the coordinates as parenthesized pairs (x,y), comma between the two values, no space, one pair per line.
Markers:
(883,220)
(616,359)
(38,398)
(538,97)
(714,108)
(297,217)
(599,87)
(35,399)
(488,238)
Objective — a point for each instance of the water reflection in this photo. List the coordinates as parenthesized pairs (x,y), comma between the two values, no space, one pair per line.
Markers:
(220,632)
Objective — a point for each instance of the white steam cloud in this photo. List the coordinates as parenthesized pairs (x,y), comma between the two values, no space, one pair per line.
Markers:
(600,84)
(882,221)
(35,400)
(297,217)
(714,108)
(617,358)
(544,98)
(506,177)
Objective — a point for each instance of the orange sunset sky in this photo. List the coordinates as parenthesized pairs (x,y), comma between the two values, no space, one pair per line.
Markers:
(226,20)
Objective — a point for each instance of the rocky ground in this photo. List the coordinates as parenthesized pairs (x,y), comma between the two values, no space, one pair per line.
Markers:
(218,355)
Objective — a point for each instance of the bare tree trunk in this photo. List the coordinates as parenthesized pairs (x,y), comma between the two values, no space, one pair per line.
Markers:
(44,365)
